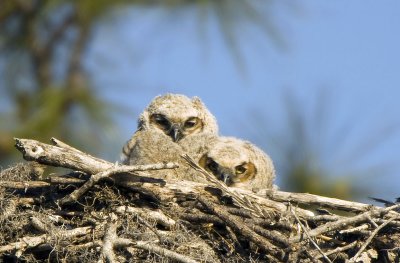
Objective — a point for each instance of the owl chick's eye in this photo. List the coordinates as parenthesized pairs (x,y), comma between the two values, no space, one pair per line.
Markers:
(191,122)
(213,166)
(240,169)
(161,120)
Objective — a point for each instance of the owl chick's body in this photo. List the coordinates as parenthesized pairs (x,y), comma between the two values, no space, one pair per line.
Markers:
(151,147)
(238,163)
(165,128)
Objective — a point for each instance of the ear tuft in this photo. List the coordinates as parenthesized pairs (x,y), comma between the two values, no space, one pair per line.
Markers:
(197,102)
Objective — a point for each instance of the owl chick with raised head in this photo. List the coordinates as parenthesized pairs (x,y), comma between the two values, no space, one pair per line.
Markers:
(178,116)
(169,119)
(239,163)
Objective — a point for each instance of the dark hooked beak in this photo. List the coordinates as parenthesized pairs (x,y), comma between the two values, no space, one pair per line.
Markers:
(175,132)
(227,178)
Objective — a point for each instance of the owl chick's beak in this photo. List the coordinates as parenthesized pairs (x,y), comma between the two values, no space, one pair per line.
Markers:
(175,132)
(227,178)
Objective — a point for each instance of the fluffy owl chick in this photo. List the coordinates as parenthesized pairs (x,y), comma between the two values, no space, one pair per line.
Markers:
(151,147)
(239,164)
(174,117)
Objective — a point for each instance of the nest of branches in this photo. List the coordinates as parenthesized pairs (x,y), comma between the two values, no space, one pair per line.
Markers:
(88,215)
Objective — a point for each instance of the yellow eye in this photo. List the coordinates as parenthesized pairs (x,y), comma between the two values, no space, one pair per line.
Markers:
(240,169)
(191,122)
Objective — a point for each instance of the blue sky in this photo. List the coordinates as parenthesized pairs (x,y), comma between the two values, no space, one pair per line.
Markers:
(347,49)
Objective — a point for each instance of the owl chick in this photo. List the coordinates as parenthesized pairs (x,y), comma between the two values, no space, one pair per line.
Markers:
(239,164)
(174,117)
(151,147)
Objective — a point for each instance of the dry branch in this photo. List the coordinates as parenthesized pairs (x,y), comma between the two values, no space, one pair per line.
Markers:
(158,216)
(316,200)
(23,185)
(164,252)
(69,157)
(25,243)
(240,227)
(61,157)
(373,234)
(309,237)
(111,241)
(74,196)
(33,241)
(345,222)
(338,249)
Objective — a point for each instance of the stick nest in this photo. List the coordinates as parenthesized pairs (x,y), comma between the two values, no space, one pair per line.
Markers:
(86,215)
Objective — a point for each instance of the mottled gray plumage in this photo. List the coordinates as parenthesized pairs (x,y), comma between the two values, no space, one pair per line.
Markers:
(238,163)
(172,118)
(167,128)
(151,147)
(198,144)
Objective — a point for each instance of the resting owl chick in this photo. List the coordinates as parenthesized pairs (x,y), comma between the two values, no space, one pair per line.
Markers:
(173,117)
(151,147)
(239,164)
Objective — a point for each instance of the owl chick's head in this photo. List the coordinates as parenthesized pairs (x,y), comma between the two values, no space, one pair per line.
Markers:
(239,164)
(178,116)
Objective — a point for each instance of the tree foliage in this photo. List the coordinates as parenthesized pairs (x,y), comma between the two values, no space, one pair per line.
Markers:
(44,91)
